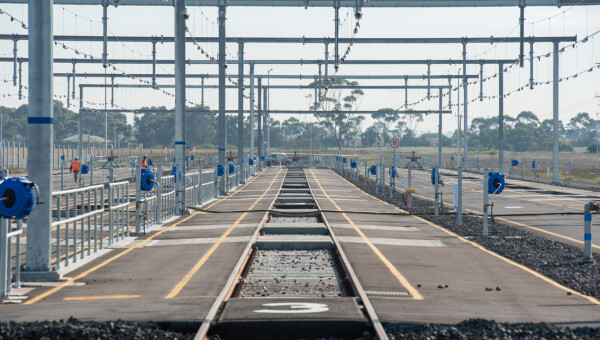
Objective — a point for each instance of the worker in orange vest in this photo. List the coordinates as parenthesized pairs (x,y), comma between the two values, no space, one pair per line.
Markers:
(75,168)
(145,162)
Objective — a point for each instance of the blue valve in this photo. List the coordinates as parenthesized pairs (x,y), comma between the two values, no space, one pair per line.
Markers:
(434,175)
(353,164)
(344,160)
(250,161)
(262,158)
(85,169)
(18,197)
(533,164)
(373,170)
(478,160)
(192,157)
(147,180)
(393,171)
(150,163)
(231,169)
(514,162)
(220,170)
(496,183)
(452,158)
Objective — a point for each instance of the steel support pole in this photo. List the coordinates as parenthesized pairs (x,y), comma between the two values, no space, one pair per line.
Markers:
(326,65)
(531,65)
(436,185)
(522,33)
(154,65)
(112,91)
(15,62)
(221,133)
(20,81)
(251,110)
(486,175)
(501,118)
(259,126)
(439,131)
(105,33)
(481,82)
(406,93)
(337,34)
(458,132)
(40,125)
(68,90)
(180,104)
(267,122)
(459,195)
(74,76)
(428,81)
(80,127)
(241,113)
(555,131)
(465,110)
(202,92)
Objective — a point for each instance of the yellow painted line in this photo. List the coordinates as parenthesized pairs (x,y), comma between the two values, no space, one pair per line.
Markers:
(184,281)
(117,256)
(403,281)
(100,297)
(531,271)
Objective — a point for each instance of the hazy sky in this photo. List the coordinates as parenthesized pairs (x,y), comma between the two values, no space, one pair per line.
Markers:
(577,95)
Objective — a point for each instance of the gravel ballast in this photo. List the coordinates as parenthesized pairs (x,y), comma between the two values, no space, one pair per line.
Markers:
(75,329)
(486,329)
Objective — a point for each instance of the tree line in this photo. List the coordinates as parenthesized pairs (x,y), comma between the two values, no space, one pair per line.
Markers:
(332,129)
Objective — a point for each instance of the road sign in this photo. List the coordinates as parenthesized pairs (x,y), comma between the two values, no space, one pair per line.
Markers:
(394,143)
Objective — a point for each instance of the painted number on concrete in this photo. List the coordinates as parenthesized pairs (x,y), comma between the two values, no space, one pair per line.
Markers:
(394,143)
(294,308)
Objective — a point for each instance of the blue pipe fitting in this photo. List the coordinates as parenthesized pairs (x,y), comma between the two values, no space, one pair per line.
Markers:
(147,180)
(220,170)
(496,183)
(231,169)
(373,170)
(85,169)
(18,197)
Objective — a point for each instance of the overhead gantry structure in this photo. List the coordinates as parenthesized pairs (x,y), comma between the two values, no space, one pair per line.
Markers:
(40,87)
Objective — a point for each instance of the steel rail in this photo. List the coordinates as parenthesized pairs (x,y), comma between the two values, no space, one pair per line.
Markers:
(235,274)
(356,285)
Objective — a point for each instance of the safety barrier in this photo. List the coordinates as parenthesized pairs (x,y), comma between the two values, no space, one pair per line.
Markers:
(118,215)
(167,198)
(77,209)
(10,275)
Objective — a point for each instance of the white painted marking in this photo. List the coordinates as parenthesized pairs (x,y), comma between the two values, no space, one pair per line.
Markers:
(295,308)
(207,240)
(375,227)
(394,242)
(514,207)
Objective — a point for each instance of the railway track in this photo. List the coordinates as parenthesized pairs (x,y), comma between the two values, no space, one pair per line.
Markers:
(293,280)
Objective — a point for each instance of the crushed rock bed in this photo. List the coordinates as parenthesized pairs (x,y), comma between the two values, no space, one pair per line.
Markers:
(559,261)
(484,329)
(75,329)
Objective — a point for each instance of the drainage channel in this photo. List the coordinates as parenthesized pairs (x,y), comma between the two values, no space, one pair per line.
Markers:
(294,282)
